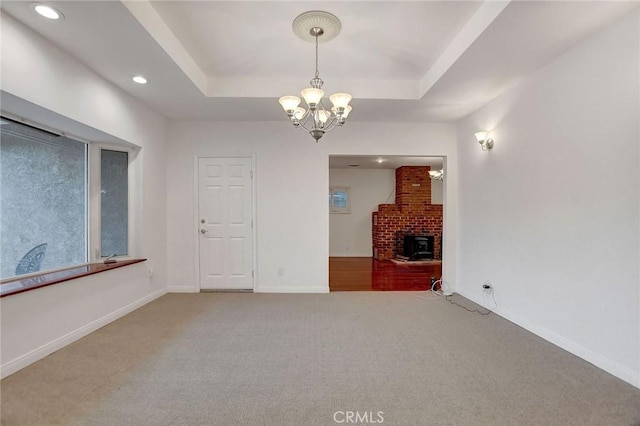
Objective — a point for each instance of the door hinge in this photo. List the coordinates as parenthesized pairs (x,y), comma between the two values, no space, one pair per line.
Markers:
(252,273)
(252,174)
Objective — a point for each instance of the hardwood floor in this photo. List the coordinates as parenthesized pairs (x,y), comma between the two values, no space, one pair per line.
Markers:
(367,274)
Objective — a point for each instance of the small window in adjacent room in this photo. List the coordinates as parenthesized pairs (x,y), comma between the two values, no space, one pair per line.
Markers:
(339,199)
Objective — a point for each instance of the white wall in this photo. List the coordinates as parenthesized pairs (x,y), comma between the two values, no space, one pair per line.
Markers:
(292,177)
(350,234)
(551,215)
(437,191)
(45,84)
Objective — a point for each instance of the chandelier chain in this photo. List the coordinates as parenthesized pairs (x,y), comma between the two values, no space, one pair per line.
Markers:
(317,73)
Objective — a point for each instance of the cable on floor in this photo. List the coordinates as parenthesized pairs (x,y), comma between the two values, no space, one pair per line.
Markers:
(488,311)
(443,292)
(439,294)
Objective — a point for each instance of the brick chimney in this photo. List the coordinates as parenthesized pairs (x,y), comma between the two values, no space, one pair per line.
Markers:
(413,186)
(412,213)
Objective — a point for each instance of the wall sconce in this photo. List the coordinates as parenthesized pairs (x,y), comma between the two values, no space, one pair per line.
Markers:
(487,143)
(436,174)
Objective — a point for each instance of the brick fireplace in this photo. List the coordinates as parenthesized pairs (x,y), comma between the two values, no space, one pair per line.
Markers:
(412,214)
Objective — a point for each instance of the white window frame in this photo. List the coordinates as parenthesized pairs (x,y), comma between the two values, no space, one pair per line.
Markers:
(92,196)
(339,210)
(94,234)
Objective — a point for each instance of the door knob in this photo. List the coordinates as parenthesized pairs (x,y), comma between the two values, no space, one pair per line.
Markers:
(203,231)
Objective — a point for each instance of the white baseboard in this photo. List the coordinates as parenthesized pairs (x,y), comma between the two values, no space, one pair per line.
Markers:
(59,343)
(291,289)
(182,289)
(367,254)
(604,363)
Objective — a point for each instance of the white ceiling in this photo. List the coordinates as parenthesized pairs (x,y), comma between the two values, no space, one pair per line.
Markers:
(402,61)
(381,161)
(374,40)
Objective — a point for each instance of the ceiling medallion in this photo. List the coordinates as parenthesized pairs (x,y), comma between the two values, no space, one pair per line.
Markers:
(315,26)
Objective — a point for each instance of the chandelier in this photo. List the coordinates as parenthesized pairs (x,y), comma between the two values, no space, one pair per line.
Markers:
(316,119)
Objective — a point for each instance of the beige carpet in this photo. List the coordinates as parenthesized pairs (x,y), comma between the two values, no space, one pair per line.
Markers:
(280,359)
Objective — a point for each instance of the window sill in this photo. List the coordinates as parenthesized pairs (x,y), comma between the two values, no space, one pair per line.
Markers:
(19,285)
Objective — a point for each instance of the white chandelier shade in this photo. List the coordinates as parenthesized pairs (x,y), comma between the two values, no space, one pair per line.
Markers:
(299,113)
(312,96)
(346,112)
(340,100)
(289,103)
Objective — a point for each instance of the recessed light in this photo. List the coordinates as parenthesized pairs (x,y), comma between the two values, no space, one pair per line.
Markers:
(379,160)
(140,79)
(47,11)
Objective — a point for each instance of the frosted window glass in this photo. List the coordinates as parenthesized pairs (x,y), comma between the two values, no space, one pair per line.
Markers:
(114,203)
(43,209)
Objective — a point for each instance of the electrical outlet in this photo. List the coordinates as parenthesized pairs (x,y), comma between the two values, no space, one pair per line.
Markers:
(488,294)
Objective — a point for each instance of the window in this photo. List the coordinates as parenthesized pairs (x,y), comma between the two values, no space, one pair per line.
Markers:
(339,199)
(45,188)
(114,202)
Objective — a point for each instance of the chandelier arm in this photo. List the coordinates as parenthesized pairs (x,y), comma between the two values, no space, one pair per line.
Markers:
(304,120)
(308,123)
(328,112)
(321,104)
(331,124)
(313,120)
(326,128)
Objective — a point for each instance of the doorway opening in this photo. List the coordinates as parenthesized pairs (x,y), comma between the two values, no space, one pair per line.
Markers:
(385,222)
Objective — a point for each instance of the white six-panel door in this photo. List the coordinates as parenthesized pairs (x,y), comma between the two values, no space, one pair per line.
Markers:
(225,223)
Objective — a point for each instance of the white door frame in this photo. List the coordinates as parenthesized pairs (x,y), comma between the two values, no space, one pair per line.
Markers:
(196,217)
(449,236)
